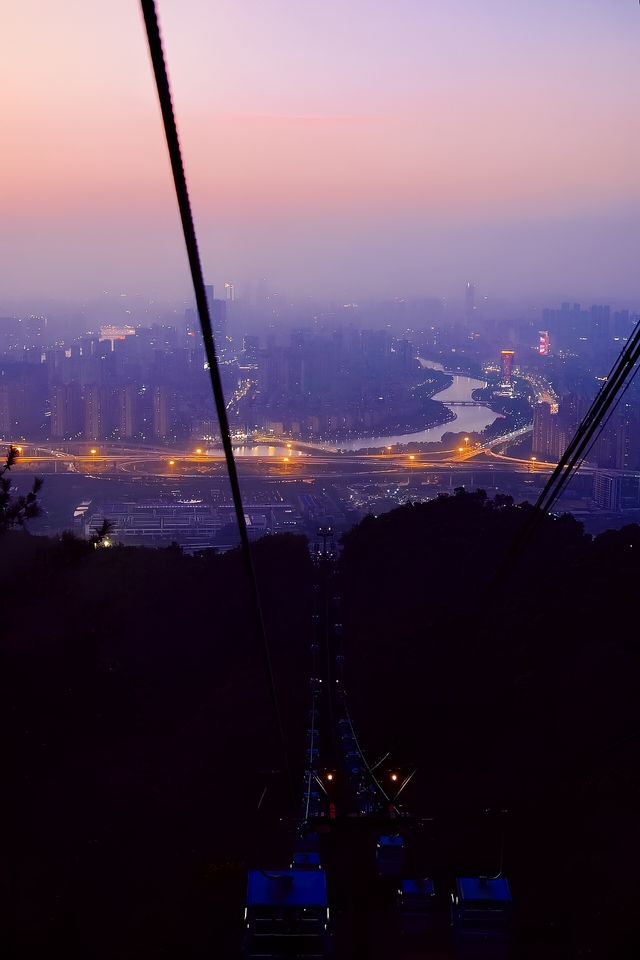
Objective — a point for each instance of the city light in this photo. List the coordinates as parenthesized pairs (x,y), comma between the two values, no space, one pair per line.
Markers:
(93,451)
(394,777)
(172,463)
(411,456)
(199,450)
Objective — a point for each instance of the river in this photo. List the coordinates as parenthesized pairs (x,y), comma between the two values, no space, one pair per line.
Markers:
(468,419)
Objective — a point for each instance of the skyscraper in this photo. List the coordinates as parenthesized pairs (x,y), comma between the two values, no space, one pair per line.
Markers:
(219,322)
(66,411)
(506,357)
(607,490)
(128,419)
(96,412)
(209,292)
(544,443)
(162,412)
(7,423)
(543,343)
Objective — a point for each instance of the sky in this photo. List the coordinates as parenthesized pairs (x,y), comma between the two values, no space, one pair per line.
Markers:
(340,149)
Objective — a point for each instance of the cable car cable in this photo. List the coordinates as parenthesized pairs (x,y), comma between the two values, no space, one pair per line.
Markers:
(182,195)
(572,470)
(591,426)
(614,383)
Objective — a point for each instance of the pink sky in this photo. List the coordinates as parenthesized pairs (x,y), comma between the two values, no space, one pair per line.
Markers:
(363,147)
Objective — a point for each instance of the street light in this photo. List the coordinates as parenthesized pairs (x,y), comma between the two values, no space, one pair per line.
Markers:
(411,456)
(172,463)
(199,450)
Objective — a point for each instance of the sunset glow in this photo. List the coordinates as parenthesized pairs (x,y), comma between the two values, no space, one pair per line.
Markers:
(316,132)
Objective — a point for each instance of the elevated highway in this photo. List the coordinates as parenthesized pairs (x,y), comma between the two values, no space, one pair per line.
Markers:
(295,464)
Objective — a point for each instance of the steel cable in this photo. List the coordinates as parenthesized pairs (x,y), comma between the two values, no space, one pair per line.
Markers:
(182,195)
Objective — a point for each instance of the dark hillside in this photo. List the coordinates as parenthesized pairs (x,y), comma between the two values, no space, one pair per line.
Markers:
(139,733)
(527,702)
(140,737)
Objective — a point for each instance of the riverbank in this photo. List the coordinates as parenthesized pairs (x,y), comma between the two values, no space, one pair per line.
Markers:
(471,418)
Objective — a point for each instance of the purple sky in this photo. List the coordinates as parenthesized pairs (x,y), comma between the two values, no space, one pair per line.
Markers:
(349,149)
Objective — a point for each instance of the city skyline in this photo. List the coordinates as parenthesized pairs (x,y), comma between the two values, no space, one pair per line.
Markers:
(361,152)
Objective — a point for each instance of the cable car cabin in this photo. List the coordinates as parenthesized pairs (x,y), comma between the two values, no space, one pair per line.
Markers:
(306,860)
(481,917)
(308,842)
(390,856)
(287,914)
(416,905)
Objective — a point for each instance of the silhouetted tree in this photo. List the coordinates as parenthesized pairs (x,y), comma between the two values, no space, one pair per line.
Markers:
(16,510)
(101,537)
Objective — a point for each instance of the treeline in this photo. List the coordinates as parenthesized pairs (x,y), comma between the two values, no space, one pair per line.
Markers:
(140,737)
(515,693)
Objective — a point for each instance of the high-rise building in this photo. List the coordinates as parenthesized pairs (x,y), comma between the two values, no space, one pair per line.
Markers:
(628,450)
(218,310)
(163,400)
(97,412)
(230,292)
(209,293)
(552,432)
(543,343)
(617,447)
(7,425)
(506,359)
(66,411)
(127,409)
(607,490)
(22,399)
(544,422)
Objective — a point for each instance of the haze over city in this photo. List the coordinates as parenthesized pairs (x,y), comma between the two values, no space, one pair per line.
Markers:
(355,150)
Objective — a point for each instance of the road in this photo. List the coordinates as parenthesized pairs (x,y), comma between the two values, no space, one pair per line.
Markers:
(301,461)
